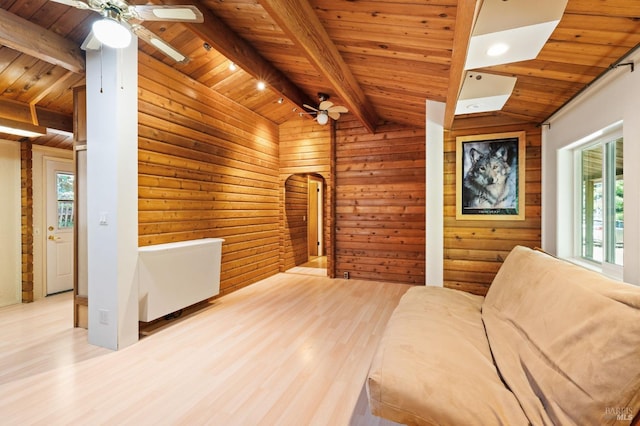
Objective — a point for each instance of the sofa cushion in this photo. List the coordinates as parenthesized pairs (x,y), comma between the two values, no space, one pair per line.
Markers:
(566,340)
(433,364)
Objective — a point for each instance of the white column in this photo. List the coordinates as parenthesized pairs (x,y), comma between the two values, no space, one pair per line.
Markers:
(631,135)
(112,199)
(435,194)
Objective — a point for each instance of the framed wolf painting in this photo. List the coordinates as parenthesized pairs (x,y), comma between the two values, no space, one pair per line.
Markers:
(490,176)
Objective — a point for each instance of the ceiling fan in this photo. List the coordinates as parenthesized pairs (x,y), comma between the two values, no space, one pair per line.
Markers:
(119,20)
(326,109)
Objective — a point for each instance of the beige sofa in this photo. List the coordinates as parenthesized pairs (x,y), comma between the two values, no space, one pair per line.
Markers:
(550,344)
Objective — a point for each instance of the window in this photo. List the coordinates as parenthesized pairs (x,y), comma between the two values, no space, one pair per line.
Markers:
(601,201)
(64,190)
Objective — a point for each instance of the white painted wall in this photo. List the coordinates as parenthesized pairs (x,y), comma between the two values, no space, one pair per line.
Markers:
(39,212)
(614,97)
(112,199)
(434,261)
(10,238)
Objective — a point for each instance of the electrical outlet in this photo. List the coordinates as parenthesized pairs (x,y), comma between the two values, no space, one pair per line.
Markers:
(104,317)
(346,275)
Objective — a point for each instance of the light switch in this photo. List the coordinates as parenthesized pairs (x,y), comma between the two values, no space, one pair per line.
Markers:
(104,218)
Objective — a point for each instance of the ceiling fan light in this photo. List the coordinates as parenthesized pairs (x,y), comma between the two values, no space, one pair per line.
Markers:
(111,33)
(323,117)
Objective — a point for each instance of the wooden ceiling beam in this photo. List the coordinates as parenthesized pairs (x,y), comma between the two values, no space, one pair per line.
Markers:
(21,111)
(465,17)
(300,22)
(33,40)
(220,37)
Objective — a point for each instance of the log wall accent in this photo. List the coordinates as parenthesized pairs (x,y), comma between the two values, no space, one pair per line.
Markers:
(380,202)
(305,149)
(475,250)
(26,219)
(207,168)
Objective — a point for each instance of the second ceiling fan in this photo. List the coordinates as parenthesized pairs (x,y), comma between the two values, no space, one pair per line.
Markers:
(326,109)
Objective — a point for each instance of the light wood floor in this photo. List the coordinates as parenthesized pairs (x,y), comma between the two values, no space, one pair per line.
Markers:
(315,266)
(290,350)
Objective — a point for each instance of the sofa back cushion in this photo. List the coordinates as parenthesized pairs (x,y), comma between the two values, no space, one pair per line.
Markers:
(565,340)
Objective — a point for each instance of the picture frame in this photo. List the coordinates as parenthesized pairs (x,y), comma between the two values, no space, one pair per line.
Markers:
(490,176)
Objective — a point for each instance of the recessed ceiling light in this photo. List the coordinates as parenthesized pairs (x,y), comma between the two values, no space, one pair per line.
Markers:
(232,66)
(261,85)
(498,49)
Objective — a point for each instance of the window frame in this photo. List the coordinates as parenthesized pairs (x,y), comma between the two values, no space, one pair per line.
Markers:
(604,138)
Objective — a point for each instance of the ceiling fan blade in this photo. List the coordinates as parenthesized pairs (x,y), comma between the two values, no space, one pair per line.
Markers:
(158,43)
(184,13)
(333,114)
(78,4)
(338,108)
(325,105)
(310,107)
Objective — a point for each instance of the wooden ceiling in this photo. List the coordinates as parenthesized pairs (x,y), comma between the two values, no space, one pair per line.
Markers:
(380,58)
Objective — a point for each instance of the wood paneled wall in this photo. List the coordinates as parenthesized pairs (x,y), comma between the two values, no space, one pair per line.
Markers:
(26,218)
(210,168)
(380,202)
(475,250)
(305,149)
(207,168)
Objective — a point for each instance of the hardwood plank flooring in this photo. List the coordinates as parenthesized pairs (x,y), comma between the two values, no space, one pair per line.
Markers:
(315,266)
(289,350)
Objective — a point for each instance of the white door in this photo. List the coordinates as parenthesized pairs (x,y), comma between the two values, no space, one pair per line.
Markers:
(60,179)
(314,226)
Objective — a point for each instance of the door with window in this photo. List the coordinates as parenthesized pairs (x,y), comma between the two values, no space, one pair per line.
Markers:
(60,206)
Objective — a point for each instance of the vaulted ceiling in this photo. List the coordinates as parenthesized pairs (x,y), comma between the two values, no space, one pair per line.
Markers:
(380,58)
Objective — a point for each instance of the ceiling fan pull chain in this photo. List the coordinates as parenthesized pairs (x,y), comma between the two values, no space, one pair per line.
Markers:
(120,67)
(101,49)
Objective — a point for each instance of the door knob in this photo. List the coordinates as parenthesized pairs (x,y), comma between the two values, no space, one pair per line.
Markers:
(53,238)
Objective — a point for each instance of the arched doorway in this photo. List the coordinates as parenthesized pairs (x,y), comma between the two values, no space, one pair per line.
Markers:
(305,239)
